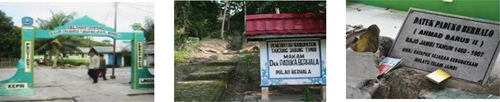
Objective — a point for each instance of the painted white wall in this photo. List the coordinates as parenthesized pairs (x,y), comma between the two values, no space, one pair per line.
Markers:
(123,61)
(106,58)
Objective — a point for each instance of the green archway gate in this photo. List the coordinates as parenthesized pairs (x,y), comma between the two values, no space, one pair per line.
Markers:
(22,83)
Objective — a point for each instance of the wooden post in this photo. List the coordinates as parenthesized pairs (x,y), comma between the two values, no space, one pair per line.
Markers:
(323,93)
(265,94)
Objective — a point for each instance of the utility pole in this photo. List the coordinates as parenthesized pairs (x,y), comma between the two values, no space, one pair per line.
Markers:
(114,45)
(223,21)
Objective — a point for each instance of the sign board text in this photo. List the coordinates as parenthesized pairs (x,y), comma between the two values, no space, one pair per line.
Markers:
(464,47)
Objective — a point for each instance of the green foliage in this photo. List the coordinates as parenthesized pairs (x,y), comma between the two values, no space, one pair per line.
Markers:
(200,29)
(249,58)
(85,42)
(149,29)
(180,56)
(214,34)
(10,38)
(57,19)
(75,62)
(245,72)
(287,7)
(200,18)
(108,42)
(126,57)
(247,75)
(195,19)
(179,38)
(5,22)
(61,44)
(306,95)
(198,90)
(192,44)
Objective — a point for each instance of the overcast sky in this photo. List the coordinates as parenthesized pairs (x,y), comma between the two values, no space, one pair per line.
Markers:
(128,12)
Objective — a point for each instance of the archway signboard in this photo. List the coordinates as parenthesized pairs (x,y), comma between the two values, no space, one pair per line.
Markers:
(292,49)
(22,83)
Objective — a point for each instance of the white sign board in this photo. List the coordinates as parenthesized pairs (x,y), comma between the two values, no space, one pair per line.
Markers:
(27,56)
(16,85)
(85,30)
(146,80)
(294,59)
(464,47)
(139,55)
(293,62)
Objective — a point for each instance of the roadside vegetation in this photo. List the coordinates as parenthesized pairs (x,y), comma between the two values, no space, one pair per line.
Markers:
(54,52)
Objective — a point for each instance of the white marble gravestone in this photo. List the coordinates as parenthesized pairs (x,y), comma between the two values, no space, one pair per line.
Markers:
(465,47)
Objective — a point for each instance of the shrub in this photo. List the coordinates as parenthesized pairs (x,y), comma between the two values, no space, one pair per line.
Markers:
(192,44)
(307,96)
(75,62)
(178,38)
(180,56)
(249,58)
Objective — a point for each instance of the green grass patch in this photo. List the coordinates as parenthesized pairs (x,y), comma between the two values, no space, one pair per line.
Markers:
(307,96)
(75,62)
(216,69)
(198,90)
(180,56)
(249,58)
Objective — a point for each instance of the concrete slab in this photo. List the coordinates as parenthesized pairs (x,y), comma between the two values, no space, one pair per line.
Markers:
(449,93)
(42,94)
(74,85)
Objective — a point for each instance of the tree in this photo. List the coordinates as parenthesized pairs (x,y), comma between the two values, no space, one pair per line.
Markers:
(149,29)
(201,19)
(5,22)
(10,38)
(196,19)
(126,57)
(106,41)
(87,41)
(59,44)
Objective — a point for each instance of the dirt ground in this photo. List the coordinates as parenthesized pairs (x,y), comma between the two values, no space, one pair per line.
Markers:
(246,82)
(245,78)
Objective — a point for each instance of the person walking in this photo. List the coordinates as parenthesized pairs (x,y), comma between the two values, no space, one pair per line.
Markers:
(102,66)
(93,65)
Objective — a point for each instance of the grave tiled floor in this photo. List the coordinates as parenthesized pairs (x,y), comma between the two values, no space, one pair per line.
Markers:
(389,21)
(457,94)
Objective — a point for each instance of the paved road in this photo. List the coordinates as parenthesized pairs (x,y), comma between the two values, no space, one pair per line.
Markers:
(74,85)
